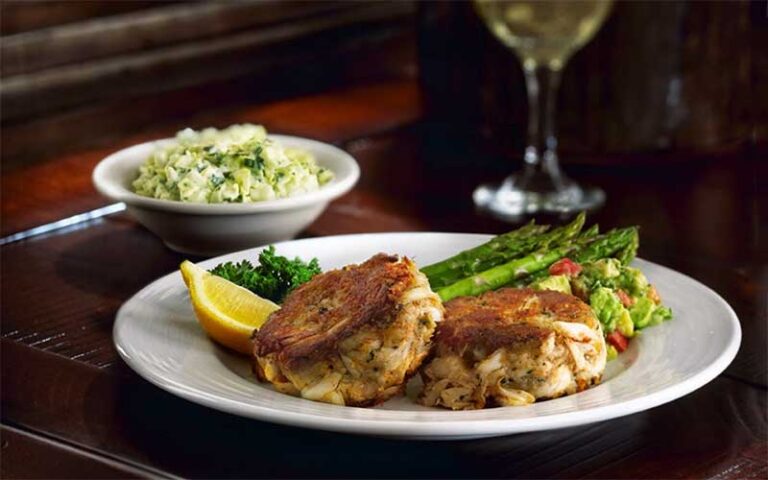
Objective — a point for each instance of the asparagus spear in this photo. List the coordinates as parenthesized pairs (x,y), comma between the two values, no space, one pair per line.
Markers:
(586,236)
(499,250)
(599,247)
(616,242)
(590,233)
(531,279)
(627,254)
(461,264)
(501,275)
(607,245)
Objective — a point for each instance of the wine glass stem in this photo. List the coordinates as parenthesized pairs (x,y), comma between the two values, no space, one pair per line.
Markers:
(541,152)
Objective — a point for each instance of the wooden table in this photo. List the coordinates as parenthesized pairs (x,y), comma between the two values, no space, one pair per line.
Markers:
(71,408)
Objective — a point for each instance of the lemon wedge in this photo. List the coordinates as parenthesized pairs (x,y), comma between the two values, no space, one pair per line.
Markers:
(227,312)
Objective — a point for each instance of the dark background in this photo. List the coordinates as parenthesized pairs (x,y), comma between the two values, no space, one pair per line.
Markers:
(77,73)
(660,76)
(665,109)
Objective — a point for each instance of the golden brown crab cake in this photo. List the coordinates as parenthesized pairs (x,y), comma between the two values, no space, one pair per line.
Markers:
(511,347)
(351,336)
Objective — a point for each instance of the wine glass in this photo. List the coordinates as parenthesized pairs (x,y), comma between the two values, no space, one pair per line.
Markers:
(543,34)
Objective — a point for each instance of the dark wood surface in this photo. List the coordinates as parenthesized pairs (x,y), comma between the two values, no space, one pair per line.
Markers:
(105,70)
(71,408)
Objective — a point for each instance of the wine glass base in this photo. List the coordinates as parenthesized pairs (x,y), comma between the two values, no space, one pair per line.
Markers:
(507,202)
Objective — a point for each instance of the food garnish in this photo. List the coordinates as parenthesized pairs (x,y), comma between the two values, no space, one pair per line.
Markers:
(227,312)
(239,164)
(273,278)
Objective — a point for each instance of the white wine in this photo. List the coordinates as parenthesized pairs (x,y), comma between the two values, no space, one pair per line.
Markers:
(544,32)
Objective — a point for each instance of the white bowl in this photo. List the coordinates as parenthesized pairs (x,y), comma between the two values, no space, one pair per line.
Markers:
(212,229)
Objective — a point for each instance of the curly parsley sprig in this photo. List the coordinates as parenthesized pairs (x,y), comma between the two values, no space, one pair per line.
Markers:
(273,278)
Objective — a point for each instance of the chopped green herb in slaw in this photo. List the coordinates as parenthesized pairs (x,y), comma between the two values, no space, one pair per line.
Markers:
(238,164)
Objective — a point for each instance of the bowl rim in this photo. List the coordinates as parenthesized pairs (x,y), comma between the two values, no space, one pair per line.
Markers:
(341,184)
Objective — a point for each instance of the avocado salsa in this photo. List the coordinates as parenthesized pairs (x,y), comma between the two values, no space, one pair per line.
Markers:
(621,297)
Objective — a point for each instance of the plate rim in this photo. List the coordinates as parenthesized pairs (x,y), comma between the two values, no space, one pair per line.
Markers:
(436,429)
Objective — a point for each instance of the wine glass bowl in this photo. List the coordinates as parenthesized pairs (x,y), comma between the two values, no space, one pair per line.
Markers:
(544,35)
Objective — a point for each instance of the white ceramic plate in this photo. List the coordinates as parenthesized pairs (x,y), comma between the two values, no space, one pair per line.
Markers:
(157,335)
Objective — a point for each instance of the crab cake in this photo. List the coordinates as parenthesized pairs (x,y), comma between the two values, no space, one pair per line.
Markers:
(351,336)
(511,347)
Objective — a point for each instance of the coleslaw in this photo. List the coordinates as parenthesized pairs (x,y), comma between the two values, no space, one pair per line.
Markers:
(238,164)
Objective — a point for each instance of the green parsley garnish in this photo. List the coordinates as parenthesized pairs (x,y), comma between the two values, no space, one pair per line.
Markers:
(273,278)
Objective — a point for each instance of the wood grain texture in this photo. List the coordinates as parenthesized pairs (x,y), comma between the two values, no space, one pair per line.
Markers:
(82,128)
(74,319)
(257,53)
(23,453)
(95,81)
(17,16)
(145,29)
(334,116)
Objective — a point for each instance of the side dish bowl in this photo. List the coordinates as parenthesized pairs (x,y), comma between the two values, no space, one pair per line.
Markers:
(211,229)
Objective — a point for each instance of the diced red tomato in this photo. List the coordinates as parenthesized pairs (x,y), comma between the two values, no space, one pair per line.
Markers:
(619,341)
(565,266)
(626,300)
